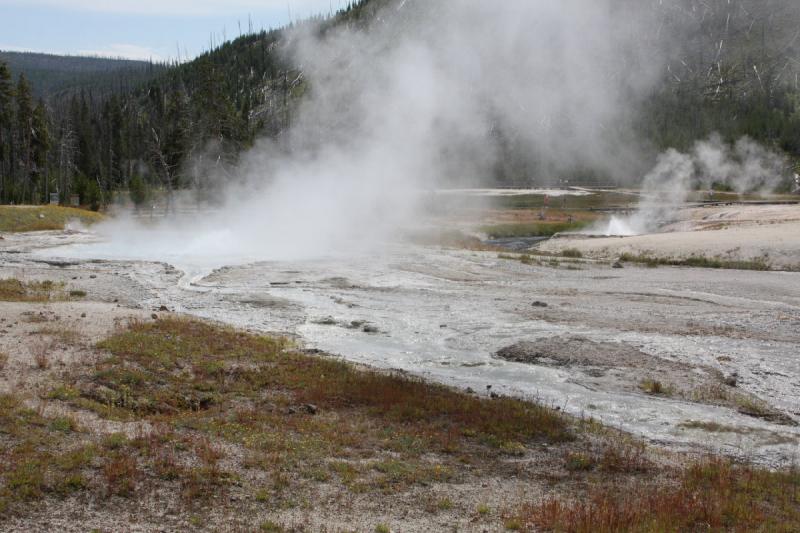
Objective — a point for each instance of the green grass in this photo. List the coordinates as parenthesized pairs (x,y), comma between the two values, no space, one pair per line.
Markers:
(39,457)
(41,218)
(532,229)
(697,262)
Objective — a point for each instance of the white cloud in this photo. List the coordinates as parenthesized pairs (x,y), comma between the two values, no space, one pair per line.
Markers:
(127,51)
(299,8)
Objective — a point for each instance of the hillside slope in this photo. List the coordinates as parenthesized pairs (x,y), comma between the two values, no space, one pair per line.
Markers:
(56,75)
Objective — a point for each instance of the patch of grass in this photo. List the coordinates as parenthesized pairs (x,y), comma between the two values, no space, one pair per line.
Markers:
(715,495)
(64,424)
(3,361)
(77,293)
(144,376)
(751,406)
(299,419)
(272,527)
(42,218)
(532,229)
(397,475)
(382,528)
(63,393)
(525,259)
(15,290)
(714,427)
(121,473)
(618,459)
(483,509)
(62,334)
(697,262)
(38,457)
(448,239)
(115,441)
(572,253)
(41,359)
(623,459)
(655,387)
(579,462)
(444,504)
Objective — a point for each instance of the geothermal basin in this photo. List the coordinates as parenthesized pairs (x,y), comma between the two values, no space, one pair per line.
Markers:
(577,334)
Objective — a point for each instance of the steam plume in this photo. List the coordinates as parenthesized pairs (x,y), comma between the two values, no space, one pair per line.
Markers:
(742,167)
(427,96)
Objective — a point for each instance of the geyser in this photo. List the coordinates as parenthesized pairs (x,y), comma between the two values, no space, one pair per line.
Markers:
(413,102)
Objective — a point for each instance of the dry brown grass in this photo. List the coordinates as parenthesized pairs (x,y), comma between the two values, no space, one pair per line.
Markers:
(121,474)
(14,290)
(715,495)
(63,335)
(41,349)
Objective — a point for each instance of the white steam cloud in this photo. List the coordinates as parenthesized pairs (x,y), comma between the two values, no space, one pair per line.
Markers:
(425,97)
(743,167)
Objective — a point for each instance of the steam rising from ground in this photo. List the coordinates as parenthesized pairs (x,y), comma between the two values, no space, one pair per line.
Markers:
(742,167)
(423,98)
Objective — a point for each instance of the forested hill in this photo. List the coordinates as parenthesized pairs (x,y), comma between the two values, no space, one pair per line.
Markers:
(54,75)
(735,72)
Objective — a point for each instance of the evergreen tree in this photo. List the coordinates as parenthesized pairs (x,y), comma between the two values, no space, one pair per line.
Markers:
(40,150)
(23,156)
(6,121)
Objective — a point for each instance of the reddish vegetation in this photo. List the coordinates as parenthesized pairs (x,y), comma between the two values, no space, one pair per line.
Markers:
(716,495)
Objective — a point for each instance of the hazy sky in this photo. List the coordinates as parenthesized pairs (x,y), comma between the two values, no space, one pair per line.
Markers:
(140,29)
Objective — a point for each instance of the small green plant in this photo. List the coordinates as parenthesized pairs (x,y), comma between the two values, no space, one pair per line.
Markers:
(64,424)
(115,441)
(382,528)
(483,509)
(63,393)
(77,294)
(444,504)
(578,462)
(272,527)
